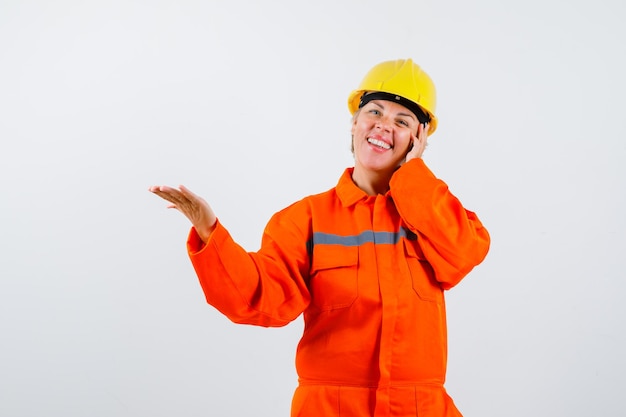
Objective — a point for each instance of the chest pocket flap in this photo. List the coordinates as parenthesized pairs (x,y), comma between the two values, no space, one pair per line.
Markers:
(333,281)
(422,275)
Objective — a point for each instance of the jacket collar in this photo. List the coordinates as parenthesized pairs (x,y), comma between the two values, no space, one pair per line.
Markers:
(349,193)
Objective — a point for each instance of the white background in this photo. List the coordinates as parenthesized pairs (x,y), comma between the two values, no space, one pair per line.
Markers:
(245,103)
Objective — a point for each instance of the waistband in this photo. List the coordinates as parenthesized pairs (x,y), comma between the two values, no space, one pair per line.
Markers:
(373,385)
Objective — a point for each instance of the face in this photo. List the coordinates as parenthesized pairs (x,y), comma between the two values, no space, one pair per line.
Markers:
(382,135)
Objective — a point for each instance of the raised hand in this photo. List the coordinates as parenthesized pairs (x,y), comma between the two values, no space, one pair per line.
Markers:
(194,207)
(419,142)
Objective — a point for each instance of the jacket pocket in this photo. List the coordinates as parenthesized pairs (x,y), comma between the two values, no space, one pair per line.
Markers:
(422,275)
(333,283)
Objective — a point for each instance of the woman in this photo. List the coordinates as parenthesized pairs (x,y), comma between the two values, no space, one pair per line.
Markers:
(366,263)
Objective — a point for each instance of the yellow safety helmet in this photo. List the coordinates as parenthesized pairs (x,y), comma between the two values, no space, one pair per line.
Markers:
(402,81)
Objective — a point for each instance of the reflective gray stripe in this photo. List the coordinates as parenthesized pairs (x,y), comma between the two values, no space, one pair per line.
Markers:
(369,236)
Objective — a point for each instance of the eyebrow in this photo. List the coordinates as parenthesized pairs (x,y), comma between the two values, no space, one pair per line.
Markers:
(399,114)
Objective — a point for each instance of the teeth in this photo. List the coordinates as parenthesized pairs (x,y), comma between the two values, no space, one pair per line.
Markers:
(379,143)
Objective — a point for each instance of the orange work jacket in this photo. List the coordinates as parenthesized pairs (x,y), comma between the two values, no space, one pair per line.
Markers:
(368,274)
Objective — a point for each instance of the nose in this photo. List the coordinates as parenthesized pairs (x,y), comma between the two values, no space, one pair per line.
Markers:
(384,124)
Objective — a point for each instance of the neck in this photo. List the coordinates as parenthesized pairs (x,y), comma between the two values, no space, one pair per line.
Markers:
(373,183)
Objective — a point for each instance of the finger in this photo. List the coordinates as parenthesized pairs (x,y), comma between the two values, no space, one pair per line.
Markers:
(423,135)
(170,194)
(188,193)
(414,141)
(160,189)
(419,141)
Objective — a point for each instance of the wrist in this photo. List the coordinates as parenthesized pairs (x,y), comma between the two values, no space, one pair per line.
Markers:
(205,231)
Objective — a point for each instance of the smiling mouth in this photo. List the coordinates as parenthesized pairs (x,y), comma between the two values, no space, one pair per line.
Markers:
(378,143)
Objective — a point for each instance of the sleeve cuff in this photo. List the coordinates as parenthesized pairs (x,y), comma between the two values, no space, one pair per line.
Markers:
(194,242)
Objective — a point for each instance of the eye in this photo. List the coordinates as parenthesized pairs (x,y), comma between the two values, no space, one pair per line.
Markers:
(403,123)
(374,112)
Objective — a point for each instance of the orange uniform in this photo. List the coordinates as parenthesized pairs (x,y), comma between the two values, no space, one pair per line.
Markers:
(368,273)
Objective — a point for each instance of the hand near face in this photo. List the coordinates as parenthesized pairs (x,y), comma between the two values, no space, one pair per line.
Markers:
(419,142)
(194,207)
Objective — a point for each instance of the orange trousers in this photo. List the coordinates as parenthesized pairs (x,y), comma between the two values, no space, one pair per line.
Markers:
(401,401)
